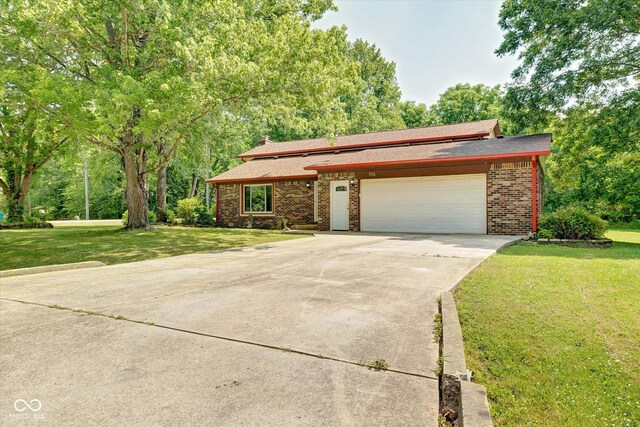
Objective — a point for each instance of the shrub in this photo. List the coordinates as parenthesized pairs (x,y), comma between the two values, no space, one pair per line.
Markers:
(204,217)
(187,210)
(28,221)
(545,234)
(573,223)
(165,215)
(170,216)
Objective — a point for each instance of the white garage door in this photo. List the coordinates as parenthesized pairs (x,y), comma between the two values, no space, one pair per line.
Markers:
(430,204)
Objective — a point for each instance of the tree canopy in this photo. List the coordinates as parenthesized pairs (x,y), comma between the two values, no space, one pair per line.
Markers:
(167,92)
(146,71)
(570,51)
(579,76)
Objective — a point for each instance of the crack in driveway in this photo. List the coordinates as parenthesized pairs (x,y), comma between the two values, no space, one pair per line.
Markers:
(219,337)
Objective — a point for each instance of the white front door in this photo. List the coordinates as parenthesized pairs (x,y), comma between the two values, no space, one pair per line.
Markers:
(340,205)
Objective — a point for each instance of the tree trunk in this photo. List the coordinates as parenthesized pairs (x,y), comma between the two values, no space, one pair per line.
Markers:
(16,195)
(194,186)
(134,163)
(161,186)
(15,209)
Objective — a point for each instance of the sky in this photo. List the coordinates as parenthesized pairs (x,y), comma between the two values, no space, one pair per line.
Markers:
(434,43)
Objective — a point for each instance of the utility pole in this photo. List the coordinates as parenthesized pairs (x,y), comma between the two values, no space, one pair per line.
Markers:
(206,175)
(86,189)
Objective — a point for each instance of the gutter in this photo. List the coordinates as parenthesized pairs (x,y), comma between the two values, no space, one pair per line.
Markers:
(417,162)
(262,178)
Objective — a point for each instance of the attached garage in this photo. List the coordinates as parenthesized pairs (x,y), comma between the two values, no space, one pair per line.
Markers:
(430,204)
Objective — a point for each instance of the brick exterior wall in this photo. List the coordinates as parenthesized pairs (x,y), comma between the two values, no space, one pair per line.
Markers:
(324,200)
(291,200)
(509,198)
(508,201)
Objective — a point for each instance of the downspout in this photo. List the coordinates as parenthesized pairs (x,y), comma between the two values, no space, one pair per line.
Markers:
(217,203)
(534,195)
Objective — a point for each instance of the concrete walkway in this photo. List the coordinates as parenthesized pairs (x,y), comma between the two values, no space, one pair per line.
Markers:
(268,335)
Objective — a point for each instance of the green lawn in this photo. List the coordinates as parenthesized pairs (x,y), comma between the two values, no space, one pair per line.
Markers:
(554,333)
(111,245)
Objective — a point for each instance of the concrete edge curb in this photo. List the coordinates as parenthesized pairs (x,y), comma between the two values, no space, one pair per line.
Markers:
(474,406)
(515,241)
(459,394)
(49,268)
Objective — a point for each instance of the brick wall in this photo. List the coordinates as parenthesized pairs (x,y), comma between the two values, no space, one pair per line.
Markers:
(509,198)
(508,201)
(291,200)
(324,200)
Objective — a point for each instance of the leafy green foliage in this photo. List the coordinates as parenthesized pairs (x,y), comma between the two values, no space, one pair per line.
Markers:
(169,216)
(579,77)
(59,186)
(572,223)
(34,124)
(466,103)
(570,51)
(146,71)
(416,115)
(188,210)
(596,158)
(204,216)
(459,103)
(374,104)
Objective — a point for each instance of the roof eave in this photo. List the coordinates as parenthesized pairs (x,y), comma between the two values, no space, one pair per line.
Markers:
(260,179)
(417,162)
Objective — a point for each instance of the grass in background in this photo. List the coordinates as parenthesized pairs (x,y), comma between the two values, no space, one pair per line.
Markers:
(553,333)
(112,245)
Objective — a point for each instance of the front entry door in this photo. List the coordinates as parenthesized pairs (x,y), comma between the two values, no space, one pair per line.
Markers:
(340,205)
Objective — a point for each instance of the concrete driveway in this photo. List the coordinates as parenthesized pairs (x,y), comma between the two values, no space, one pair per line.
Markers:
(267,335)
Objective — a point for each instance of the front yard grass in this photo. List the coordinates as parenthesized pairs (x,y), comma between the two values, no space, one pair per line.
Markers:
(554,333)
(112,245)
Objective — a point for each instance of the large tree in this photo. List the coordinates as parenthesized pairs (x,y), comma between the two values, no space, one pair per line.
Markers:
(596,158)
(416,114)
(465,103)
(147,71)
(579,75)
(569,51)
(462,102)
(375,103)
(34,124)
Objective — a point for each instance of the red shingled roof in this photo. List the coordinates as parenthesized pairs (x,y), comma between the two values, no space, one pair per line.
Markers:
(467,130)
(305,167)
(429,153)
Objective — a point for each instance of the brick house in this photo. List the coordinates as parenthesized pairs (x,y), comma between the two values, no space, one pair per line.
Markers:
(460,178)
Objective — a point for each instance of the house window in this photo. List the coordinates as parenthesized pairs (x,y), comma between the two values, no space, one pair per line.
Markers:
(258,198)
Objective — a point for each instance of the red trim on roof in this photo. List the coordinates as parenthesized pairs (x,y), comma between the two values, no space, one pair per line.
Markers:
(363,145)
(425,161)
(261,178)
